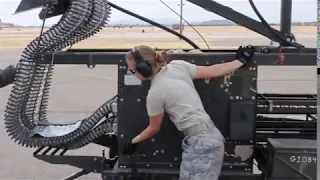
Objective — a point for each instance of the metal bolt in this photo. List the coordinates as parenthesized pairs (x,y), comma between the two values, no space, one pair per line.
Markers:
(121,99)
(121,135)
(170,165)
(231,167)
(175,159)
(237,97)
(95,159)
(162,151)
(153,140)
(226,90)
(138,100)
(221,85)
(231,97)
(147,165)
(253,97)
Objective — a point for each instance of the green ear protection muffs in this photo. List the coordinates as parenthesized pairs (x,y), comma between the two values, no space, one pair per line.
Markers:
(143,67)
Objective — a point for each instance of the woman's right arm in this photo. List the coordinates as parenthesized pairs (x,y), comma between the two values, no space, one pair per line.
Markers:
(217,70)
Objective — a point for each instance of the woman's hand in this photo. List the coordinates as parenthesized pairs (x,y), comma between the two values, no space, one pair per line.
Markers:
(245,54)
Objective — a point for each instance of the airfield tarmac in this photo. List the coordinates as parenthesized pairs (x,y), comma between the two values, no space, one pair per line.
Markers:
(215,36)
(87,88)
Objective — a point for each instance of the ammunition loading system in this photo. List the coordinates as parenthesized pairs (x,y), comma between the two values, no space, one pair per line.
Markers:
(234,105)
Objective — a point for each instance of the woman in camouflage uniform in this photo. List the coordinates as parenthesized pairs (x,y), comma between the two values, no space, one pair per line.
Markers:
(172,91)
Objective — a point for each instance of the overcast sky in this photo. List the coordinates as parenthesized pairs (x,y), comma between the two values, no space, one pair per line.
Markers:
(303,10)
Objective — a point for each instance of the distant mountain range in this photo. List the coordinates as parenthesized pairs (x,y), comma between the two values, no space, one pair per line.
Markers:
(166,22)
(170,22)
(135,22)
(214,22)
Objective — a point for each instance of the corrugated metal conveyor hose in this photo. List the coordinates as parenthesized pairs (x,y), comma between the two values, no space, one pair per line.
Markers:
(25,117)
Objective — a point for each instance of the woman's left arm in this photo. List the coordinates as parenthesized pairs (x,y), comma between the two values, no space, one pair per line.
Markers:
(153,128)
(155,109)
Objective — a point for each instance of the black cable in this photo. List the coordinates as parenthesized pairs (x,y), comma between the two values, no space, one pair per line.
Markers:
(154,23)
(186,22)
(41,31)
(266,24)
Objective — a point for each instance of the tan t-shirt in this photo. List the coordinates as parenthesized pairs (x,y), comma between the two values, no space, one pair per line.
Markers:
(172,90)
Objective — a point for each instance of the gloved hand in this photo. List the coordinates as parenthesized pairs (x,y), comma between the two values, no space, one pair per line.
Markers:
(7,75)
(129,148)
(245,53)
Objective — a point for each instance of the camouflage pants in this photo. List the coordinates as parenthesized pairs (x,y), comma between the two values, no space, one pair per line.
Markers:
(202,156)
